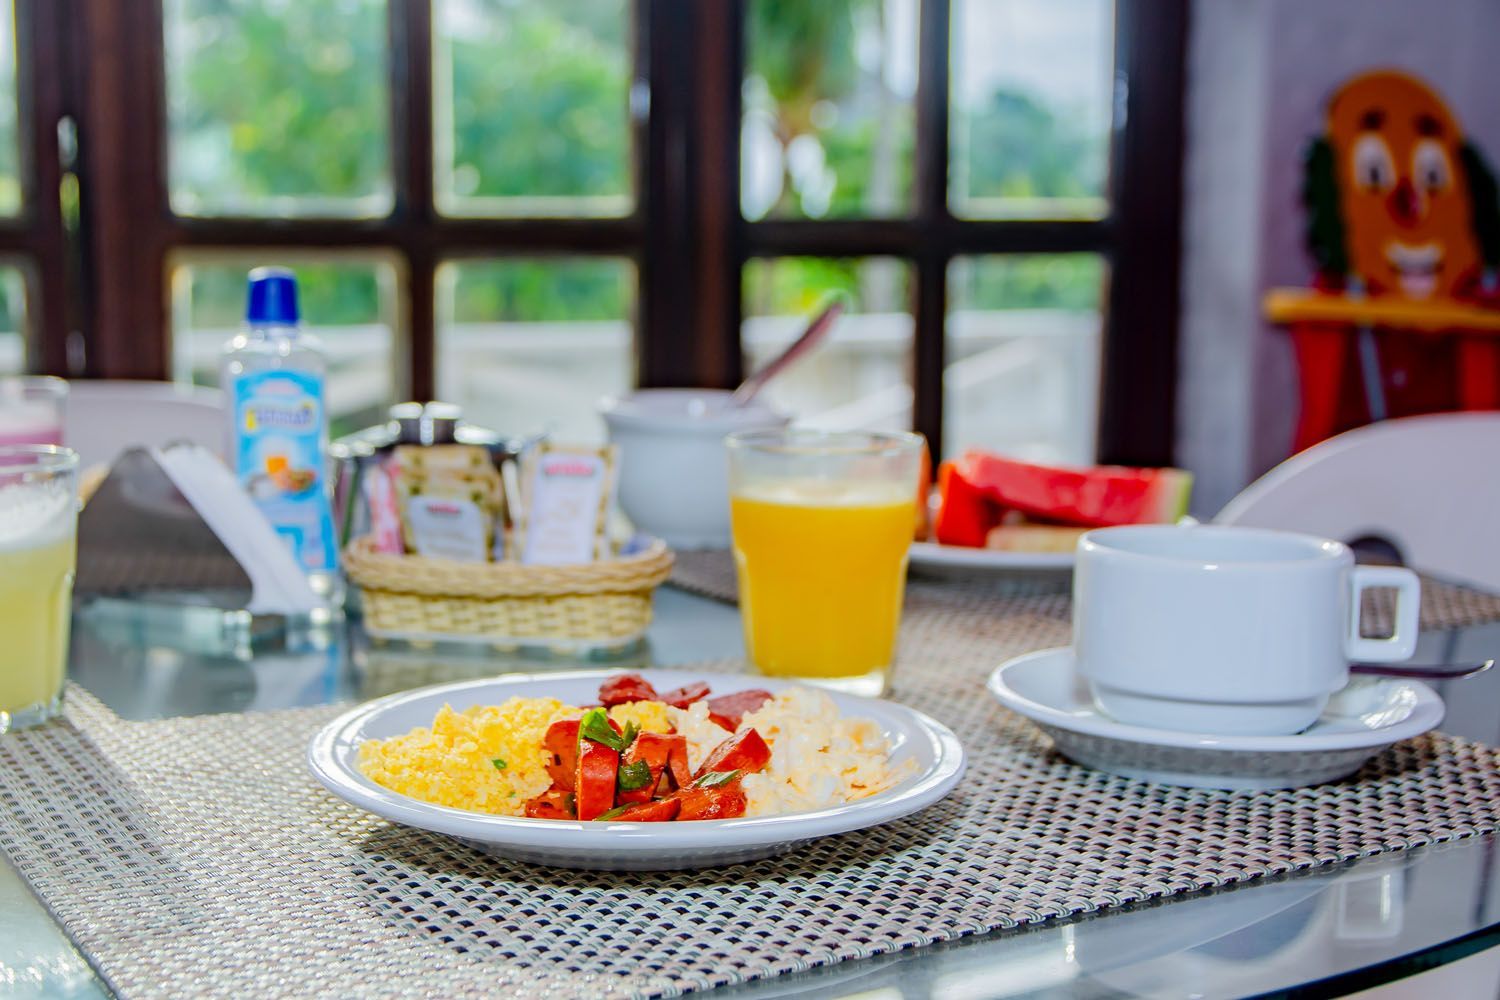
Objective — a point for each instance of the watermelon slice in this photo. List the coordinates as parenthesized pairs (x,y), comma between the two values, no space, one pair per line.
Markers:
(1098,497)
(964,515)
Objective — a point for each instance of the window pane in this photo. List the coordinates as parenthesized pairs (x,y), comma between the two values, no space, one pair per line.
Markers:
(12,321)
(278,108)
(861,376)
(526,344)
(1022,373)
(1032,96)
(10,170)
(829,117)
(348,301)
(532,107)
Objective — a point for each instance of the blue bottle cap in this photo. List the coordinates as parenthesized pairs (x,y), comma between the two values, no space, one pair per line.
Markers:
(273,297)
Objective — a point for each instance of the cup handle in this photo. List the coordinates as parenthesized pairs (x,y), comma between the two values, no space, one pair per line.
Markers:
(1403,641)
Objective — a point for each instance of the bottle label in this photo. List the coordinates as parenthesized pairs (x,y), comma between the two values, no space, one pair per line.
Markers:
(279,460)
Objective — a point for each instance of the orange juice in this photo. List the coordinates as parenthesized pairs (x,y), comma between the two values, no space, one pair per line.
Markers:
(821,570)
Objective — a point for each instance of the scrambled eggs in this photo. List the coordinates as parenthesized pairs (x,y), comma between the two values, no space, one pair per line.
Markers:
(485,759)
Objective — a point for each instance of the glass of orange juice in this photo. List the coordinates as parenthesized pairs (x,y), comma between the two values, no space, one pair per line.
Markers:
(822,522)
(38,531)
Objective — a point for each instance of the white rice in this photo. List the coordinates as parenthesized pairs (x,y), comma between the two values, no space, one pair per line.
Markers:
(818,757)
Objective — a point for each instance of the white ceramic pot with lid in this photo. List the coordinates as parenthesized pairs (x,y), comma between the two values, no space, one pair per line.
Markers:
(674,480)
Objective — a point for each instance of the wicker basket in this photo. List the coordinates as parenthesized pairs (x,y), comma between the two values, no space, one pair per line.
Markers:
(412,597)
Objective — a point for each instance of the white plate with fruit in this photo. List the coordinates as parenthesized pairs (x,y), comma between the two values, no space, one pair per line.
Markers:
(990,514)
(956,560)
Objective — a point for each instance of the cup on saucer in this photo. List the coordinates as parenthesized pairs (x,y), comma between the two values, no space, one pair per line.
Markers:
(1235,631)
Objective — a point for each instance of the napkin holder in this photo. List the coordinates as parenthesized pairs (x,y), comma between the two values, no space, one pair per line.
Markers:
(168,543)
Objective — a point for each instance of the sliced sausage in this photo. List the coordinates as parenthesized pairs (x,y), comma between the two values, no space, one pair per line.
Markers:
(744,751)
(687,694)
(722,802)
(656,749)
(734,707)
(659,811)
(561,743)
(623,688)
(554,804)
(594,780)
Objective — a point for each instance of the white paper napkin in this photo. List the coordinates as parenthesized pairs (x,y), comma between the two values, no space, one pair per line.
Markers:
(278,585)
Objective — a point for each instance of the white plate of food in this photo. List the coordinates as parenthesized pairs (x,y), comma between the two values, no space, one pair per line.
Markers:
(479,772)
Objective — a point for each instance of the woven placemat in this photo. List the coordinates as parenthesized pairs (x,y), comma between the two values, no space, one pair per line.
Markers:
(198,857)
(707,572)
(1445,605)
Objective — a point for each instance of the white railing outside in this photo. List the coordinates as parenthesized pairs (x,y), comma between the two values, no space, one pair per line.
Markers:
(12,353)
(1020,381)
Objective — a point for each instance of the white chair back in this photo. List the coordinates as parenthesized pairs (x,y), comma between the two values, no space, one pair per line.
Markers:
(1428,485)
(105,417)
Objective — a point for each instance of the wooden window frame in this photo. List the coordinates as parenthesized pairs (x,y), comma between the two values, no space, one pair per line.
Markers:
(1140,236)
(685,235)
(38,239)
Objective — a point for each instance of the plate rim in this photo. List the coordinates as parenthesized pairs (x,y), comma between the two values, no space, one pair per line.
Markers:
(1425,716)
(326,758)
(934,555)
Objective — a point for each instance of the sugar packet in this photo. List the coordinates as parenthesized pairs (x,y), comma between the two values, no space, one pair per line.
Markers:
(566,495)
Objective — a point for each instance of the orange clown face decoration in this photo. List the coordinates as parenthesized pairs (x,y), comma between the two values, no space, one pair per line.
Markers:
(1393,191)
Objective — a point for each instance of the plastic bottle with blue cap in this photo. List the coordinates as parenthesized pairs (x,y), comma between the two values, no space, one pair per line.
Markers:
(273,381)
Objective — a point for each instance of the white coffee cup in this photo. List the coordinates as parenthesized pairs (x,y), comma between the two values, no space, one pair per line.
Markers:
(1231,631)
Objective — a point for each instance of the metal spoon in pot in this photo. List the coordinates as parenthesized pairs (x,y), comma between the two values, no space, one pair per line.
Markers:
(810,338)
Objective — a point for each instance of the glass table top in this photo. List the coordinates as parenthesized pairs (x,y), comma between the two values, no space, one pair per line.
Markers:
(1332,930)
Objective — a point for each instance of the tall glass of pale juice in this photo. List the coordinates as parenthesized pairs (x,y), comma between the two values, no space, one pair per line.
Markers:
(822,522)
(38,542)
(31,409)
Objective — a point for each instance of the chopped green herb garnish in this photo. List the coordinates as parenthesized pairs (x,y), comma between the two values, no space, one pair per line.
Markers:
(617,810)
(595,726)
(499,764)
(634,776)
(631,732)
(714,779)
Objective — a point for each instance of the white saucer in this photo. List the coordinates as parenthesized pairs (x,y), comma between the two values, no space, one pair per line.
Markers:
(1360,721)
